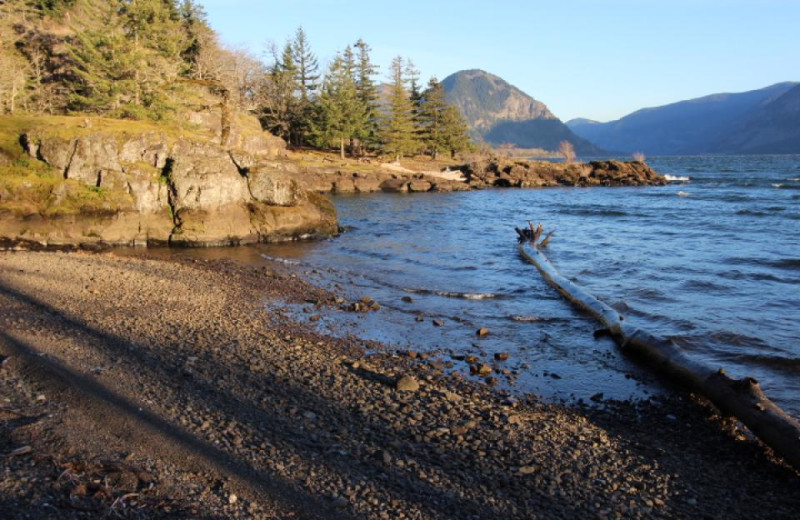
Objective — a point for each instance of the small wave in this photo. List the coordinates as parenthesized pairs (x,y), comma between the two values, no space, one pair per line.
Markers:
(585,212)
(458,295)
(758,277)
(684,194)
(677,178)
(794,179)
(777,185)
(285,261)
(786,263)
(752,213)
(703,285)
(534,319)
(774,362)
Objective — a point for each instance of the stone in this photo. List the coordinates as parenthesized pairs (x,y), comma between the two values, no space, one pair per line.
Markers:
(528,470)
(407,384)
(438,323)
(273,187)
(482,332)
(501,356)
(394,186)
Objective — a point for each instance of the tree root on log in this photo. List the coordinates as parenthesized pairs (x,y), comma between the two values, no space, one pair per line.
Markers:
(741,398)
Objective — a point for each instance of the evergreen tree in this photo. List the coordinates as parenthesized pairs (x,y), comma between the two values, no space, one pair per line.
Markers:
(398,129)
(154,24)
(367,94)
(307,68)
(105,71)
(457,137)
(442,126)
(280,111)
(431,118)
(198,36)
(415,95)
(342,114)
(306,77)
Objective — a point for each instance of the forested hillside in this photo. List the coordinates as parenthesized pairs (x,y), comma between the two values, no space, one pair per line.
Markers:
(153,59)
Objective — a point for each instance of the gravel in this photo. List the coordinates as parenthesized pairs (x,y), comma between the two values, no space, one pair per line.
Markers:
(143,388)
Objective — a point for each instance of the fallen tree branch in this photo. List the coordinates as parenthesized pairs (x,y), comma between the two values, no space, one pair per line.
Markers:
(742,398)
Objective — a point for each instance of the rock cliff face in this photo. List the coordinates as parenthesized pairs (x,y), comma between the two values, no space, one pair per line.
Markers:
(499,113)
(171,189)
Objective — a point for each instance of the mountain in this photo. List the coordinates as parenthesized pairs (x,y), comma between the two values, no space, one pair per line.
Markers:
(749,122)
(775,128)
(498,112)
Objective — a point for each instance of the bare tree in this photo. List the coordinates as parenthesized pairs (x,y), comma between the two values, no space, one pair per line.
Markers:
(13,76)
(567,151)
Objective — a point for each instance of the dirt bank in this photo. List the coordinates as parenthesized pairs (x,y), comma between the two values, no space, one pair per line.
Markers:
(152,389)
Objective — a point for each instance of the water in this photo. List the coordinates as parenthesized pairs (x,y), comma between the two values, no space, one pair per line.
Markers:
(713,262)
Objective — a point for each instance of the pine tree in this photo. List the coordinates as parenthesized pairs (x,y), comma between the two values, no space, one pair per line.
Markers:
(398,129)
(342,114)
(431,118)
(307,68)
(442,126)
(198,36)
(105,69)
(280,105)
(367,94)
(306,77)
(456,132)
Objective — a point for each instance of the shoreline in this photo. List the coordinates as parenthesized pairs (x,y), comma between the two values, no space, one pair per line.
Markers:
(171,383)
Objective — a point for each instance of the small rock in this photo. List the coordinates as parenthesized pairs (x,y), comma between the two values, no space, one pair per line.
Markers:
(408,299)
(232,499)
(420,318)
(438,323)
(514,419)
(527,470)
(482,332)
(451,396)
(315,317)
(501,356)
(407,384)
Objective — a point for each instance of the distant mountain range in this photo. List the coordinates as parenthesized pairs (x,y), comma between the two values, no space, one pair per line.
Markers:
(757,122)
(499,113)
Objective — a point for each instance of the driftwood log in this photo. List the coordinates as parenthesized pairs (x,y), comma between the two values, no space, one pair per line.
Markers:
(741,398)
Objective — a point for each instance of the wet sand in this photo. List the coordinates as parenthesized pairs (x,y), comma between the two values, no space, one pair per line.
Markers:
(144,388)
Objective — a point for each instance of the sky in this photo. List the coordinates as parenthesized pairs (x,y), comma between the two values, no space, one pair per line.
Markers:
(599,59)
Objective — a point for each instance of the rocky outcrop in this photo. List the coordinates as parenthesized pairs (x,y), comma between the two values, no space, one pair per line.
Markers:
(489,173)
(534,174)
(182,190)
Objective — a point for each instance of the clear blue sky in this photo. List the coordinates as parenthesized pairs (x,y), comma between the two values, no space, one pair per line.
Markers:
(600,59)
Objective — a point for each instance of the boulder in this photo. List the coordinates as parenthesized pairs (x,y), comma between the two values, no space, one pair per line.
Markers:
(417,185)
(204,178)
(395,186)
(273,186)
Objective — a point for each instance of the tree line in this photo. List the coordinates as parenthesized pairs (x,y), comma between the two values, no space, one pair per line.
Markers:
(137,58)
(346,108)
